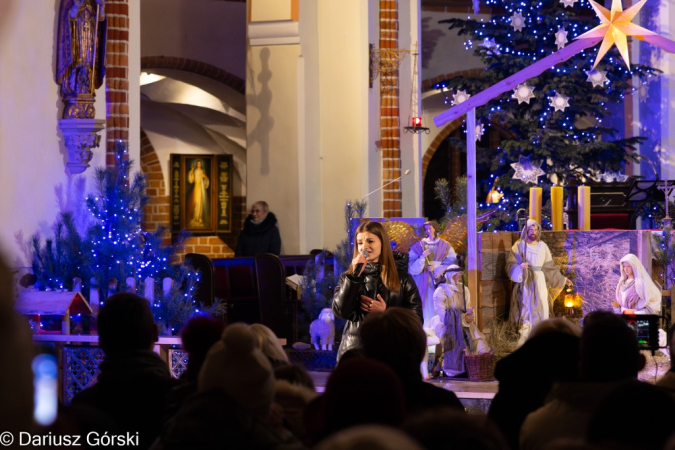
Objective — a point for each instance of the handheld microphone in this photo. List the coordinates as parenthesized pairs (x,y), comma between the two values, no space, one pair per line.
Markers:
(358,267)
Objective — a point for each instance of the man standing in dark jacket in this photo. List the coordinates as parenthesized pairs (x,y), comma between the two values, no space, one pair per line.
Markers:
(260,233)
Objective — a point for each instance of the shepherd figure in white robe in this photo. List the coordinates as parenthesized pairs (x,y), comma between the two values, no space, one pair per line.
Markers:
(538,280)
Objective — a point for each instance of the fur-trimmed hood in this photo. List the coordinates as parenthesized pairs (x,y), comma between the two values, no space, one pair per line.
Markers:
(252,229)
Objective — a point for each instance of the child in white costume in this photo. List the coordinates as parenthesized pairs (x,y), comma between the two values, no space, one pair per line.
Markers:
(457,326)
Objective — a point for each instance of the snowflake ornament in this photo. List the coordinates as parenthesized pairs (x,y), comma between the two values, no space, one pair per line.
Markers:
(517,21)
(569,3)
(526,171)
(561,38)
(523,93)
(559,102)
(490,46)
(459,97)
(480,131)
(597,77)
(610,176)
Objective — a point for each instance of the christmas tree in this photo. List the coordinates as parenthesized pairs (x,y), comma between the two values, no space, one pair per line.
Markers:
(116,251)
(555,124)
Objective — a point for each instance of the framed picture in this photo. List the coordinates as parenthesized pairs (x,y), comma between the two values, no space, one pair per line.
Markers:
(201,193)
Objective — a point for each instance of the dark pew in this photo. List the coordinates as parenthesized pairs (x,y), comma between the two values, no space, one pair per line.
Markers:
(253,289)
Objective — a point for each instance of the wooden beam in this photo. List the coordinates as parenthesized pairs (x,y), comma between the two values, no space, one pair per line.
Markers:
(472,236)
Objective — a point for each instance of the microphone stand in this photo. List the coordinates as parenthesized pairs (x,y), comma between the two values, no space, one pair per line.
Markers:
(407,172)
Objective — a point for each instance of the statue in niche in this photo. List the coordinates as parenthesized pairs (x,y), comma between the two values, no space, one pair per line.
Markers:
(80,65)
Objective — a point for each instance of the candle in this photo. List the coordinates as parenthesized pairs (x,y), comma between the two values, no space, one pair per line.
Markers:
(584,202)
(535,204)
(557,207)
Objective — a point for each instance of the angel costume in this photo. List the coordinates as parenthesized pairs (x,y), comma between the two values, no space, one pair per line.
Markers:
(638,293)
(441,256)
(536,286)
(451,302)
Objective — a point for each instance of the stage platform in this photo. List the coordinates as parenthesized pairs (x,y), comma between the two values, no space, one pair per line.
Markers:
(474,395)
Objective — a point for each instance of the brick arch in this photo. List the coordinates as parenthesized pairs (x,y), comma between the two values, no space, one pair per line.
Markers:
(157,210)
(445,132)
(193,66)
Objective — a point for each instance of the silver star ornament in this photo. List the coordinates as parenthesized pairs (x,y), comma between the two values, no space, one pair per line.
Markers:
(597,77)
(459,97)
(561,38)
(523,93)
(559,102)
(517,21)
(526,171)
(480,131)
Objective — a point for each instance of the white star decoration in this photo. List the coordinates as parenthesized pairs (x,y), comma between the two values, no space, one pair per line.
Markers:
(517,21)
(561,38)
(559,102)
(610,176)
(480,130)
(597,77)
(459,97)
(526,171)
(523,93)
(569,3)
(490,46)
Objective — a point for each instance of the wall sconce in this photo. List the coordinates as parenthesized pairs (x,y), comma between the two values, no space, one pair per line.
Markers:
(414,111)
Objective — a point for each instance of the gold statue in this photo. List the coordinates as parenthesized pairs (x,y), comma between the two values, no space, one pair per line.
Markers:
(80,59)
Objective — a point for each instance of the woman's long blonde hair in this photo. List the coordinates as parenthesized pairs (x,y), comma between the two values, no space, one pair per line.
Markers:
(388,271)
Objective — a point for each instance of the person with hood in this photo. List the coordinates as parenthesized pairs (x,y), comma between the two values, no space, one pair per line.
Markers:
(457,325)
(260,233)
(375,280)
(636,292)
(537,280)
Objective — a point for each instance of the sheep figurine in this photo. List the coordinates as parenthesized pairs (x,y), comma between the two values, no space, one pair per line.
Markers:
(323,329)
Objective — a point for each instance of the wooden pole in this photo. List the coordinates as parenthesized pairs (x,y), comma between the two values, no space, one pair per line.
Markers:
(472,247)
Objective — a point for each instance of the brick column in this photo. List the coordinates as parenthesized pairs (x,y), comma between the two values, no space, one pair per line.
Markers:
(117,75)
(390,130)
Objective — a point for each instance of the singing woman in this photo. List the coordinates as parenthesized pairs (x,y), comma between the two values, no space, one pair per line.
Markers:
(375,280)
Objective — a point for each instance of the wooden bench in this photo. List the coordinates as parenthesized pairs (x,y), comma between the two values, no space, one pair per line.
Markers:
(239,282)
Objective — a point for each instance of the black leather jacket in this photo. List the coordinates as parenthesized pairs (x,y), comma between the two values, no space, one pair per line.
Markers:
(348,291)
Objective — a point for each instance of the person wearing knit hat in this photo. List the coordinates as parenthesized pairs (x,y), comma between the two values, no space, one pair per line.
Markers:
(233,403)
(537,280)
(238,367)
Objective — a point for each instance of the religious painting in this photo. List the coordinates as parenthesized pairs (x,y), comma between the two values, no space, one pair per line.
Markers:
(201,193)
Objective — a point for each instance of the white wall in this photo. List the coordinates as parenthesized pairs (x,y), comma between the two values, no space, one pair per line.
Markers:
(345,112)
(202,30)
(32,154)
(272,136)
